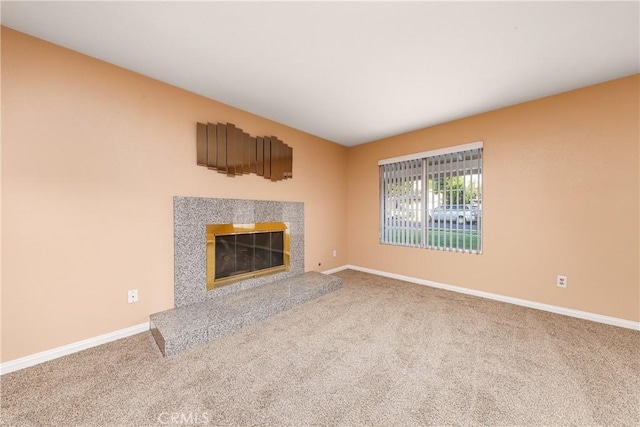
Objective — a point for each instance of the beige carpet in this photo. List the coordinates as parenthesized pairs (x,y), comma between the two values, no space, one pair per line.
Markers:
(377,352)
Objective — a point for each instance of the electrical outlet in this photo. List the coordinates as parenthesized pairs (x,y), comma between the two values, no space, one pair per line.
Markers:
(132,296)
(335,253)
(561,281)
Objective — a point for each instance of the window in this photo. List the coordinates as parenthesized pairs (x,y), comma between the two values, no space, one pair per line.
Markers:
(433,199)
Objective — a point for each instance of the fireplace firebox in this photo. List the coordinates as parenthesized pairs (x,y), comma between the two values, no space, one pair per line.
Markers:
(239,251)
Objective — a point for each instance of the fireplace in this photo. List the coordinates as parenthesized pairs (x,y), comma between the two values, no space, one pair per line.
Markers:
(240,251)
(192,217)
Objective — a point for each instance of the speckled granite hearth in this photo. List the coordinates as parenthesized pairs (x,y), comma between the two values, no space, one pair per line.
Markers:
(193,325)
(201,315)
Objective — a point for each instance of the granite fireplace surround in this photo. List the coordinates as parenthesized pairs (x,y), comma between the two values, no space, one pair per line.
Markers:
(200,315)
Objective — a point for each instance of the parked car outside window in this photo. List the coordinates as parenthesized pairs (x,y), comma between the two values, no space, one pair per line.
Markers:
(457,213)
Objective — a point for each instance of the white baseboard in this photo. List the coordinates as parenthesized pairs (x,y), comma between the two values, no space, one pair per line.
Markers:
(623,323)
(335,270)
(34,359)
(55,353)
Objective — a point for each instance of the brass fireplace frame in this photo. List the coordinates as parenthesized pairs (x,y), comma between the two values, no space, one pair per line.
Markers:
(214,230)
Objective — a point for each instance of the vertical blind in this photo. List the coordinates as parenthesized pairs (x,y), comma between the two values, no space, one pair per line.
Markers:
(433,199)
(402,201)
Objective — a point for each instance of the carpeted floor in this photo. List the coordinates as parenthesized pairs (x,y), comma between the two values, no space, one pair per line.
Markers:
(376,352)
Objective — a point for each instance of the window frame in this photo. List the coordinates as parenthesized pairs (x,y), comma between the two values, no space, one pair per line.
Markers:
(427,230)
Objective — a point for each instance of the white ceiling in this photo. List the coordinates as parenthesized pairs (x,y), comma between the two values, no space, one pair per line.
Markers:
(352,72)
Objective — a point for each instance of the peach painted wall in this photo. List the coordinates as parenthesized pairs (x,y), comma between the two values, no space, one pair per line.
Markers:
(561,186)
(1,253)
(92,157)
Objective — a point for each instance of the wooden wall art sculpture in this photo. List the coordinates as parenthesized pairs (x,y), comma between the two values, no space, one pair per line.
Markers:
(229,150)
